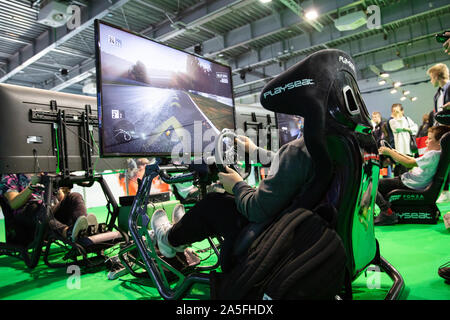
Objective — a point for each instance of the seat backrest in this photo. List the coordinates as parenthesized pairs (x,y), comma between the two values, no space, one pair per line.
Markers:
(14,234)
(337,134)
(442,170)
(353,194)
(429,195)
(6,210)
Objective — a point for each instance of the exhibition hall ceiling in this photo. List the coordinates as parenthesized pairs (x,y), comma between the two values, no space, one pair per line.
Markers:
(258,39)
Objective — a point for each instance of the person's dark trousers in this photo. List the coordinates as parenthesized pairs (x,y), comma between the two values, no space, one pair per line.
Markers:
(215,215)
(26,221)
(67,212)
(399,170)
(384,187)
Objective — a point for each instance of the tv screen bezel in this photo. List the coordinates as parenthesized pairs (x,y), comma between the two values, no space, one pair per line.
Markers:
(97,23)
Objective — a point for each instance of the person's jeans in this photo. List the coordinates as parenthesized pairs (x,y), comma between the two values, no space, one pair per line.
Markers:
(384,187)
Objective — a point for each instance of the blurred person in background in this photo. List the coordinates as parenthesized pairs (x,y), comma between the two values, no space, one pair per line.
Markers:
(439,78)
(403,129)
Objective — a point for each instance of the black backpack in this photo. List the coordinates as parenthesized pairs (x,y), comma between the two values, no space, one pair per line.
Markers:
(299,256)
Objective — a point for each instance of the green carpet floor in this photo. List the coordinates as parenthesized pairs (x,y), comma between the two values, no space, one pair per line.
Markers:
(416,251)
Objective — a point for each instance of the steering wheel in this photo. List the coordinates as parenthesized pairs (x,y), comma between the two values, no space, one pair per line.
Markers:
(225,153)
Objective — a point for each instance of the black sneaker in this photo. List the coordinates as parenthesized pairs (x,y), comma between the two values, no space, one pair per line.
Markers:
(385,220)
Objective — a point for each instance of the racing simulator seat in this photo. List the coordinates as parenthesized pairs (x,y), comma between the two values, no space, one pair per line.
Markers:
(337,133)
(29,245)
(48,117)
(419,206)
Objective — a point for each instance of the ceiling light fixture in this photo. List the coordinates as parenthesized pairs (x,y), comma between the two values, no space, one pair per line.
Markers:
(393,91)
(397,84)
(311,14)
(384,75)
(382,82)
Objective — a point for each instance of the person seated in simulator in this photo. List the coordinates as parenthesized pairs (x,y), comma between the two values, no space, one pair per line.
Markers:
(25,199)
(225,214)
(418,178)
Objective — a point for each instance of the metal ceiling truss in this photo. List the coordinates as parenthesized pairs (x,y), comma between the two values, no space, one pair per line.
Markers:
(396,39)
(258,41)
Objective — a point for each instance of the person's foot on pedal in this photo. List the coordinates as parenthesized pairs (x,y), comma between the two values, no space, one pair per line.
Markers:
(386,218)
(444,197)
(177,213)
(92,221)
(79,225)
(161,226)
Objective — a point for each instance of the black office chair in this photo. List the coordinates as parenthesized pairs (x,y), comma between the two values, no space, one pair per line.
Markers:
(419,206)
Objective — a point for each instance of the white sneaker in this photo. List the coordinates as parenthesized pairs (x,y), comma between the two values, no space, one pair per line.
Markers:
(161,225)
(444,197)
(177,213)
(79,225)
(92,221)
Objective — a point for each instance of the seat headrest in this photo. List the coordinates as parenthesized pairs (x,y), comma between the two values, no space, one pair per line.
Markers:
(322,89)
(304,89)
(443,117)
(445,141)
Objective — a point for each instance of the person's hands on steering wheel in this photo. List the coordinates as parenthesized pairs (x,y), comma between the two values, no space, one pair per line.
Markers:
(229,179)
(385,151)
(226,153)
(246,144)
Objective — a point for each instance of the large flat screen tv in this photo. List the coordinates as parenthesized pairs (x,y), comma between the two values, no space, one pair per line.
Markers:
(152,97)
(290,127)
(28,142)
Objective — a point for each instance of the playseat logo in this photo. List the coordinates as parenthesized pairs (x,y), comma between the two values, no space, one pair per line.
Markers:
(415,215)
(347,62)
(289,86)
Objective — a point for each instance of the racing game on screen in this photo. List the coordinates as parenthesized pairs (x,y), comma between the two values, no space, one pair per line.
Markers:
(290,127)
(153,97)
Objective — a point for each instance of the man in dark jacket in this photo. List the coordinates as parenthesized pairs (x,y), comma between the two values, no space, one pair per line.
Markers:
(439,78)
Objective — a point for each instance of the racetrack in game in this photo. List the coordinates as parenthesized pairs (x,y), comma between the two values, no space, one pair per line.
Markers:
(154,120)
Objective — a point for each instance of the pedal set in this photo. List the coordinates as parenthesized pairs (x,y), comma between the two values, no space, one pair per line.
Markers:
(93,230)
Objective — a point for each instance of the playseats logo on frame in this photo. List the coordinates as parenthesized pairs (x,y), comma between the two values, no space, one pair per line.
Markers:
(415,215)
(289,86)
